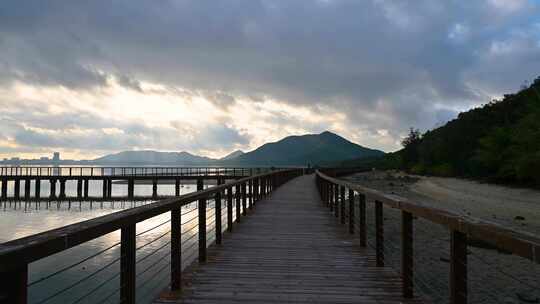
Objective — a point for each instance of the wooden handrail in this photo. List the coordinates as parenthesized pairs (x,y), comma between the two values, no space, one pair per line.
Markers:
(38,246)
(17,254)
(520,243)
(461,229)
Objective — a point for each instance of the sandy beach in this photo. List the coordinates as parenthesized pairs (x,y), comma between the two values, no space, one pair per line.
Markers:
(516,208)
(494,277)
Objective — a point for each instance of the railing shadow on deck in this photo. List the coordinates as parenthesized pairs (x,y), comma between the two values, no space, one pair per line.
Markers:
(16,255)
(350,202)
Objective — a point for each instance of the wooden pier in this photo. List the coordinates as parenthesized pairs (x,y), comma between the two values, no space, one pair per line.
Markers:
(296,238)
(57,177)
(291,250)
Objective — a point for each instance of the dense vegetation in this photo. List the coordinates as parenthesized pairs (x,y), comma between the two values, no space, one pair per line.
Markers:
(499,141)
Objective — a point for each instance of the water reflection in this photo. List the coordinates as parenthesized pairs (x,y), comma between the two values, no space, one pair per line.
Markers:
(95,188)
(96,279)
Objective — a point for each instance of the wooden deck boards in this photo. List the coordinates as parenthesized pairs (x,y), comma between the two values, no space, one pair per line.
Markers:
(290,249)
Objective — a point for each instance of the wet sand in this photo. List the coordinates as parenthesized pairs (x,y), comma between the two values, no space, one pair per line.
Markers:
(516,208)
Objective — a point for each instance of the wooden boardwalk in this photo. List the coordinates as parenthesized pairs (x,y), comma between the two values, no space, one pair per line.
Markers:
(290,249)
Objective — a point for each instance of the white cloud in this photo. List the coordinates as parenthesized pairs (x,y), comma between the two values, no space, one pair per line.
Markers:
(508,6)
(132,74)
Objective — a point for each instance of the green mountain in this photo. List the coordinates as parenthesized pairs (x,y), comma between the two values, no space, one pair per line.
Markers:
(314,149)
(232,155)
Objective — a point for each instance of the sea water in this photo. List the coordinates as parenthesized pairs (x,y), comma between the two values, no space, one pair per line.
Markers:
(20,219)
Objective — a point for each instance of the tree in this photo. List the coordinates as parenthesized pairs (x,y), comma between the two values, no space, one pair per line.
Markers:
(413,138)
(411,144)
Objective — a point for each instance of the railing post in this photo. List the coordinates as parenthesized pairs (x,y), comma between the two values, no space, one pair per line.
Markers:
(202,223)
(109,187)
(27,189)
(362,231)
(176,249)
(86,186)
(336,200)
(379,231)
(256,190)
(4,188)
(131,188)
(105,191)
(217,206)
(261,188)
(154,188)
(127,265)
(62,188)
(52,194)
(250,189)
(325,191)
(244,199)
(331,196)
(177,187)
(351,211)
(458,267)
(237,194)
(17,188)
(342,211)
(229,209)
(79,188)
(13,285)
(37,192)
(328,193)
(407,270)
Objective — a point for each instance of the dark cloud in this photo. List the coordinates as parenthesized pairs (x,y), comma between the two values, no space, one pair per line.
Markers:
(384,64)
(221,100)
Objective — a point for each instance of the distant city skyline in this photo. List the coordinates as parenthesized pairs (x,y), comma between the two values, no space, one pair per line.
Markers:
(55,158)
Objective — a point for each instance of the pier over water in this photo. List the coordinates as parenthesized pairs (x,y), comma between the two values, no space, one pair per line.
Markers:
(287,235)
(26,182)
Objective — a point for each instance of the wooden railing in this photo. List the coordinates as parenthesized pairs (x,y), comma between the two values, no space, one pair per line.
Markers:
(16,255)
(460,228)
(128,171)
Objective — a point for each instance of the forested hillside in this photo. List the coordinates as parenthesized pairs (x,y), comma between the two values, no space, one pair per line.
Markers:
(499,141)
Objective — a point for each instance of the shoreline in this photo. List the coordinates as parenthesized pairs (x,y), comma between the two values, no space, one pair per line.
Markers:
(517,209)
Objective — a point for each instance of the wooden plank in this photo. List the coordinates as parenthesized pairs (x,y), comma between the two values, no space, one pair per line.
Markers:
(29,249)
(291,250)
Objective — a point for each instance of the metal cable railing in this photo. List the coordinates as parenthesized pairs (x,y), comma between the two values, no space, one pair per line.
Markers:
(442,241)
(158,251)
(85,278)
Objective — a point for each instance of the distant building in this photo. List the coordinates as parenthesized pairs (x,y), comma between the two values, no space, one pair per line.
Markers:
(56,156)
(15,159)
(44,158)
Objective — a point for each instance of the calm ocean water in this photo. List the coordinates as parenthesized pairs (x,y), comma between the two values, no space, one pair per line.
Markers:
(97,278)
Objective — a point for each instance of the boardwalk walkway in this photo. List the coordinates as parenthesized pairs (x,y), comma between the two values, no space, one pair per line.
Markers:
(291,249)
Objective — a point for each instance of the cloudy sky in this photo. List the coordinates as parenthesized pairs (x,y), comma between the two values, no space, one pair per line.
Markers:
(88,78)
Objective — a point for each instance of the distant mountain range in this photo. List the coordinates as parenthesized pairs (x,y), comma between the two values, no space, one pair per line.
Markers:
(301,150)
(233,155)
(154,157)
